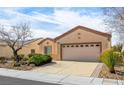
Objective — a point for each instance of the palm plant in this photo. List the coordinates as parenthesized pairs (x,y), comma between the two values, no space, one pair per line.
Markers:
(110,58)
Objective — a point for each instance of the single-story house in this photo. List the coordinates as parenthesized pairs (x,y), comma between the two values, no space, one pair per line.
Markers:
(80,44)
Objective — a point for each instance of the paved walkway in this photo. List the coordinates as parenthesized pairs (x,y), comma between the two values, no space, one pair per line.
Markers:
(68,68)
(58,79)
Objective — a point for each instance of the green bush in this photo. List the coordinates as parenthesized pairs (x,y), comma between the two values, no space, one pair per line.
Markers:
(39,59)
(117,47)
(46,58)
(110,58)
(30,55)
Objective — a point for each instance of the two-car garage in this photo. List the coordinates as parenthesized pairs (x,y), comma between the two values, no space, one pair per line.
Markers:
(81,51)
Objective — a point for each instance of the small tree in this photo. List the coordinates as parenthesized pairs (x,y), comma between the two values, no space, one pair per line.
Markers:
(15,37)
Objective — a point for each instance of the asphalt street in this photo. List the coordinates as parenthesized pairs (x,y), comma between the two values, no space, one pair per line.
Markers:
(16,81)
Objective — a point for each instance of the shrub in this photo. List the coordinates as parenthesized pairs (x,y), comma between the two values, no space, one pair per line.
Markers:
(15,64)
(121,58)
(25,59)
(3,60)
(110,58)
(39,59)
(30,55)
(23,63)
(21,57)
(46,58)
(118,47)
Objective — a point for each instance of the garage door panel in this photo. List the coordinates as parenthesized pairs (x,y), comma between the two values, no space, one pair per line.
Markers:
(80,53)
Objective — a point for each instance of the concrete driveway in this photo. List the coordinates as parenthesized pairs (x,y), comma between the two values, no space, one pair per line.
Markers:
(68,68)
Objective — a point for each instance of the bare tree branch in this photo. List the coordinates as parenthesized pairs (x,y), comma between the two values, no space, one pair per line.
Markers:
(16,37)
(115,21)
(116,10)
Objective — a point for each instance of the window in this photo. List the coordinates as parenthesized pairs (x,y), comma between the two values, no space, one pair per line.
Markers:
(86,46)
(79,38)
(97,45)
(72,46)
(67,45)
(92,45)
(79,33)
(81,45)
(47,42)
(47,50)
(32,51)
(77,46)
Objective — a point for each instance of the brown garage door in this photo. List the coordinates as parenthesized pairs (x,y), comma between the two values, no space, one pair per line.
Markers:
(81,52)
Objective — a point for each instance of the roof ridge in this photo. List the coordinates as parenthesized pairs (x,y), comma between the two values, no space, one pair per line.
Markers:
(86,29)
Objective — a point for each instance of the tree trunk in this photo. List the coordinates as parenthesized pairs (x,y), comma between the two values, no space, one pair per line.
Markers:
(16,56)
(112,70)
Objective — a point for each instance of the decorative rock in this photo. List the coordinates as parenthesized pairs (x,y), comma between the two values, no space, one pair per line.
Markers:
(32,65)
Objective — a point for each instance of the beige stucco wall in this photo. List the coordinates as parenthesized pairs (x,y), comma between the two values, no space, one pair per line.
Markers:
(52,44)
(85,36)
(27,48)
(5,51)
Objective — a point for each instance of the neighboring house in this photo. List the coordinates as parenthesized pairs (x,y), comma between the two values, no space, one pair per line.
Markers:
(30,46)
(80,44)
(5,51)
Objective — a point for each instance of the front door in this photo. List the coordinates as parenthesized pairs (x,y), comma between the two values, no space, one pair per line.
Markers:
(48,50)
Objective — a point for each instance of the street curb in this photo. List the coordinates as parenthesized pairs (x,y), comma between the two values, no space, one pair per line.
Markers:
(57,79)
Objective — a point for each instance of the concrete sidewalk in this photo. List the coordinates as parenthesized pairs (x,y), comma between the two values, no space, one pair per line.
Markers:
(58,79)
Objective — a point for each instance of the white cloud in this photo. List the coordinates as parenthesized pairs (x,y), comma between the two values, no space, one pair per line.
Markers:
(43,33)
(71,19)
(64,18)
(45,18)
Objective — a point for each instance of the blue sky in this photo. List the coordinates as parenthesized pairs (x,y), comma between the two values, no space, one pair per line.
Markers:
(52,21)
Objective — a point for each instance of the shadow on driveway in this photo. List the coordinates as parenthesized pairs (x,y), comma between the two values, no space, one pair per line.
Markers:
(15,81)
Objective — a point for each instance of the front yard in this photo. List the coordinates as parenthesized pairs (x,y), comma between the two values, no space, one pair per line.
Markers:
(32,61)
(119,73)
(10,65)
(113,68)
(113,60)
